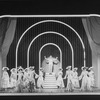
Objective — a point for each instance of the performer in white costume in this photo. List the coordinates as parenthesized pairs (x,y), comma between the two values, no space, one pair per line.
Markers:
(75,79)
(26,77)
(68,75)
(13,78)
(5,78)
(40,79)
(32,76)
(84,77)
(20,74)
(90,79)
(49,60)
(60,82)
(20,79)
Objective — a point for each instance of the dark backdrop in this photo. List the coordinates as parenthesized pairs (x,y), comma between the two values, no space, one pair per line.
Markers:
(24,23)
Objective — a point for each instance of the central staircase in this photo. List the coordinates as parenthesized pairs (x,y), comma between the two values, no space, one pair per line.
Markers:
(50,81)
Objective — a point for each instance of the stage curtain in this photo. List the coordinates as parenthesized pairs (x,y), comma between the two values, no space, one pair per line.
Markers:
(92,28)
(7,31)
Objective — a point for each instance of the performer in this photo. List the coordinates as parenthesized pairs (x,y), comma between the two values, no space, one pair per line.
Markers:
(20,74)
(68,75)
(40,79)
(20,79)
(26,77)
(75,80)
(84,77)
(32,76)
(49,60)
(90,79)
(13,78)
(5,78)
(60,82)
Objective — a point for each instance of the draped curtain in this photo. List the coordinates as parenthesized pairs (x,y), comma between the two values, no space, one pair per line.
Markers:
(92,28)
(7,31)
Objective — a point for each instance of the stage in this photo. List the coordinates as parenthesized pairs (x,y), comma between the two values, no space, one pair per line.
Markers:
(50,92)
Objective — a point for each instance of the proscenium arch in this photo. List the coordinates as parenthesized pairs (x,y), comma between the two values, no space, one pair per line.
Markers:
(50,21)
(49,32)
(47,45)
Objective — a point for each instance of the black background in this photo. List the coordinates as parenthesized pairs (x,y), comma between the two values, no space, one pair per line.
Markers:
(24,7)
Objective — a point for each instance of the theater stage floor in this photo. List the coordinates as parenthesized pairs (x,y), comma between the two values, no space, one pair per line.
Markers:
(50,92)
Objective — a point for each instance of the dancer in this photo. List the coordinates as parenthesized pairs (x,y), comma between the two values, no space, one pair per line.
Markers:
(13,78)
(20,74)
(26,77)
(75,79)
(20,79)
(90,79)
(60,82)
(68,75)
(84,77)
(32,76)
(40,79)
(5,78)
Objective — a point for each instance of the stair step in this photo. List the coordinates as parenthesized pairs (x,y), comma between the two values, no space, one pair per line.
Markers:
(50,77)
(50,81)
(50,87)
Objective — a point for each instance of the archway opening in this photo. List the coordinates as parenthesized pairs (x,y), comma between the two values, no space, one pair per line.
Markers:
(50,53)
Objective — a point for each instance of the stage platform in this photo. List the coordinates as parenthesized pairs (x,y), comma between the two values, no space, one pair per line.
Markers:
(50,92)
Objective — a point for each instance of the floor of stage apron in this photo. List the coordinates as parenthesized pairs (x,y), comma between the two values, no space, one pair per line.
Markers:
(55,91)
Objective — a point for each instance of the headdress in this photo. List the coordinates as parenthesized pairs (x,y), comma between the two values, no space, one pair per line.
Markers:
(75,68)
(13,69)
(26,68)
(69,67)
(90,68)
(84,67)
(5,68)
(20,68)
(31,67)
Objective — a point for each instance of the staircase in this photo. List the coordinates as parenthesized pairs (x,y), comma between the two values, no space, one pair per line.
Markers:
(50,81)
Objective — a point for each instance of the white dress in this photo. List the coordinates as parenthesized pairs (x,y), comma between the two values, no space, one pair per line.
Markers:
(5,79)
(26,78)
(84,77)
(90,80)
(69,80)
(75,80)
(60,82)
(40,80)
(20,75)
(31,76)
(13,79)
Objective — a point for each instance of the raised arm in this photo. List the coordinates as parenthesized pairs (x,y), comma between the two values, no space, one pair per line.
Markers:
(65,75)
(80,77)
